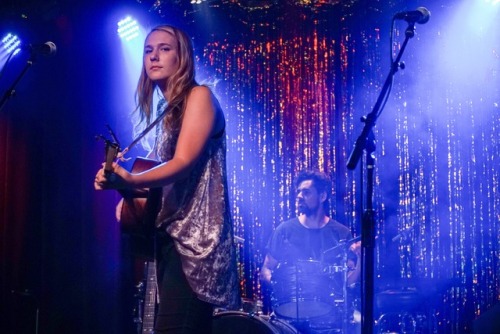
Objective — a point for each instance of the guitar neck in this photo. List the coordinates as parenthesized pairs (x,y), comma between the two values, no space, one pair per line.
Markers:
(111,153)
(148,318)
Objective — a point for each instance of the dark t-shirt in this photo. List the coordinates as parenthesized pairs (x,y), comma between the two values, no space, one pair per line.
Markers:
(291,241)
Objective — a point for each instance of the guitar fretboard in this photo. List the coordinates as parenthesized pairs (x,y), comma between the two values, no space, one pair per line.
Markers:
(148,318)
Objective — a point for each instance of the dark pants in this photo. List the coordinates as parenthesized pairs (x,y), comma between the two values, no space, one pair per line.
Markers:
(180,311)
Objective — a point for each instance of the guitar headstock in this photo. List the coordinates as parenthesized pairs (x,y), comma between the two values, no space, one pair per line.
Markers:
(111,150)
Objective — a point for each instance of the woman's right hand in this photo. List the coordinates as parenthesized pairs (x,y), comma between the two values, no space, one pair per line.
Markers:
(118,178)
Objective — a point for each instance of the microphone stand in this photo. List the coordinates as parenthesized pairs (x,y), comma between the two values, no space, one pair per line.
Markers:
(366,142)
(12,90)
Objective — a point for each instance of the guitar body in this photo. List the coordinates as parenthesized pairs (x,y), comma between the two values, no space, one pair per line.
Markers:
(138,212)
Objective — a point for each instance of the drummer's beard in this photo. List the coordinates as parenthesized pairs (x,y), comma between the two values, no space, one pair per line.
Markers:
(306,210)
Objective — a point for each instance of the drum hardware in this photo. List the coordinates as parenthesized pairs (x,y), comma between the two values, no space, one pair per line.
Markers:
(251,306)
(396,323)
(239,240)
(318,305)
(338,254)
(403,311)
(340,246)
(329,324)
(408,299)
(312,295)
(331,269)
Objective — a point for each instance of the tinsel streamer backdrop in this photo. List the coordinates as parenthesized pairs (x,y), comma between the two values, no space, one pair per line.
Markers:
(293,96)
(281,115)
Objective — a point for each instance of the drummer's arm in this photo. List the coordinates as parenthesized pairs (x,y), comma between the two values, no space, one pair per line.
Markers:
(267,268)
(354,273)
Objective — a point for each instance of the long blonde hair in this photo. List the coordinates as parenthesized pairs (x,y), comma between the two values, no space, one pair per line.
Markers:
(179,84)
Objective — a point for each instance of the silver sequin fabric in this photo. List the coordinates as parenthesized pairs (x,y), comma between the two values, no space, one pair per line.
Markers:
(195,213)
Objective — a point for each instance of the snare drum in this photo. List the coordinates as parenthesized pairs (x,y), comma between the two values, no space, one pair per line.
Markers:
(302,290)
(236,322)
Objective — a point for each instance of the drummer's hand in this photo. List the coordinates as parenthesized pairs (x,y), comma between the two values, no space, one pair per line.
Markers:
(265,276)
(356,248)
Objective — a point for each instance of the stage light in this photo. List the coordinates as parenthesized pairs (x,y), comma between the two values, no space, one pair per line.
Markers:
(11,44)
(128,29)
(480,17)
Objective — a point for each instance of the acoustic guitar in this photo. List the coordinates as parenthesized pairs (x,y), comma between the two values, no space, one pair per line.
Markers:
(138,213)
(139,207)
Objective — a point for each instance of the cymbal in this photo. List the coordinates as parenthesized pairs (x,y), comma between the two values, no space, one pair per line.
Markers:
(397,300)
(342,245)
(425,285)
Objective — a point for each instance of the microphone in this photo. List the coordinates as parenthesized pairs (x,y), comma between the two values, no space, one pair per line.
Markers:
(420,15)
(45,49)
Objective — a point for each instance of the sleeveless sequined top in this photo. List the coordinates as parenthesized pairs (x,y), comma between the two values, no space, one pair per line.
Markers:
(195,213)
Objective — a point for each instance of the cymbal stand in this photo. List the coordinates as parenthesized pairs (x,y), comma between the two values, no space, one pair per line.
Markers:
(344,245)
(345,316)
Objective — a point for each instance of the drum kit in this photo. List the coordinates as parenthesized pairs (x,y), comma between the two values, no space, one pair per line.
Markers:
(312,297)
(308,297)
(306,289)
(239,322)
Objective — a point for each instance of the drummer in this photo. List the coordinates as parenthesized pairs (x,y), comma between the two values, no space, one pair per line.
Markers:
(312,235)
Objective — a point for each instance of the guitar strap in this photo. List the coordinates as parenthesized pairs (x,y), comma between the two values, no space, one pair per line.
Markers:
(161,105)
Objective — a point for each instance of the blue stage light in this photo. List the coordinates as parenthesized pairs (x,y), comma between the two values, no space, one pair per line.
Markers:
(11,44)
(128,29)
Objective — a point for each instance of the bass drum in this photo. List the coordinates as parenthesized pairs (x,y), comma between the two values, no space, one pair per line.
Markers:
(236,322)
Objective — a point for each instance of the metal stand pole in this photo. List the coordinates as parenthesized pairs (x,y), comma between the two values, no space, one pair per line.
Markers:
(12,90)
(366,142)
